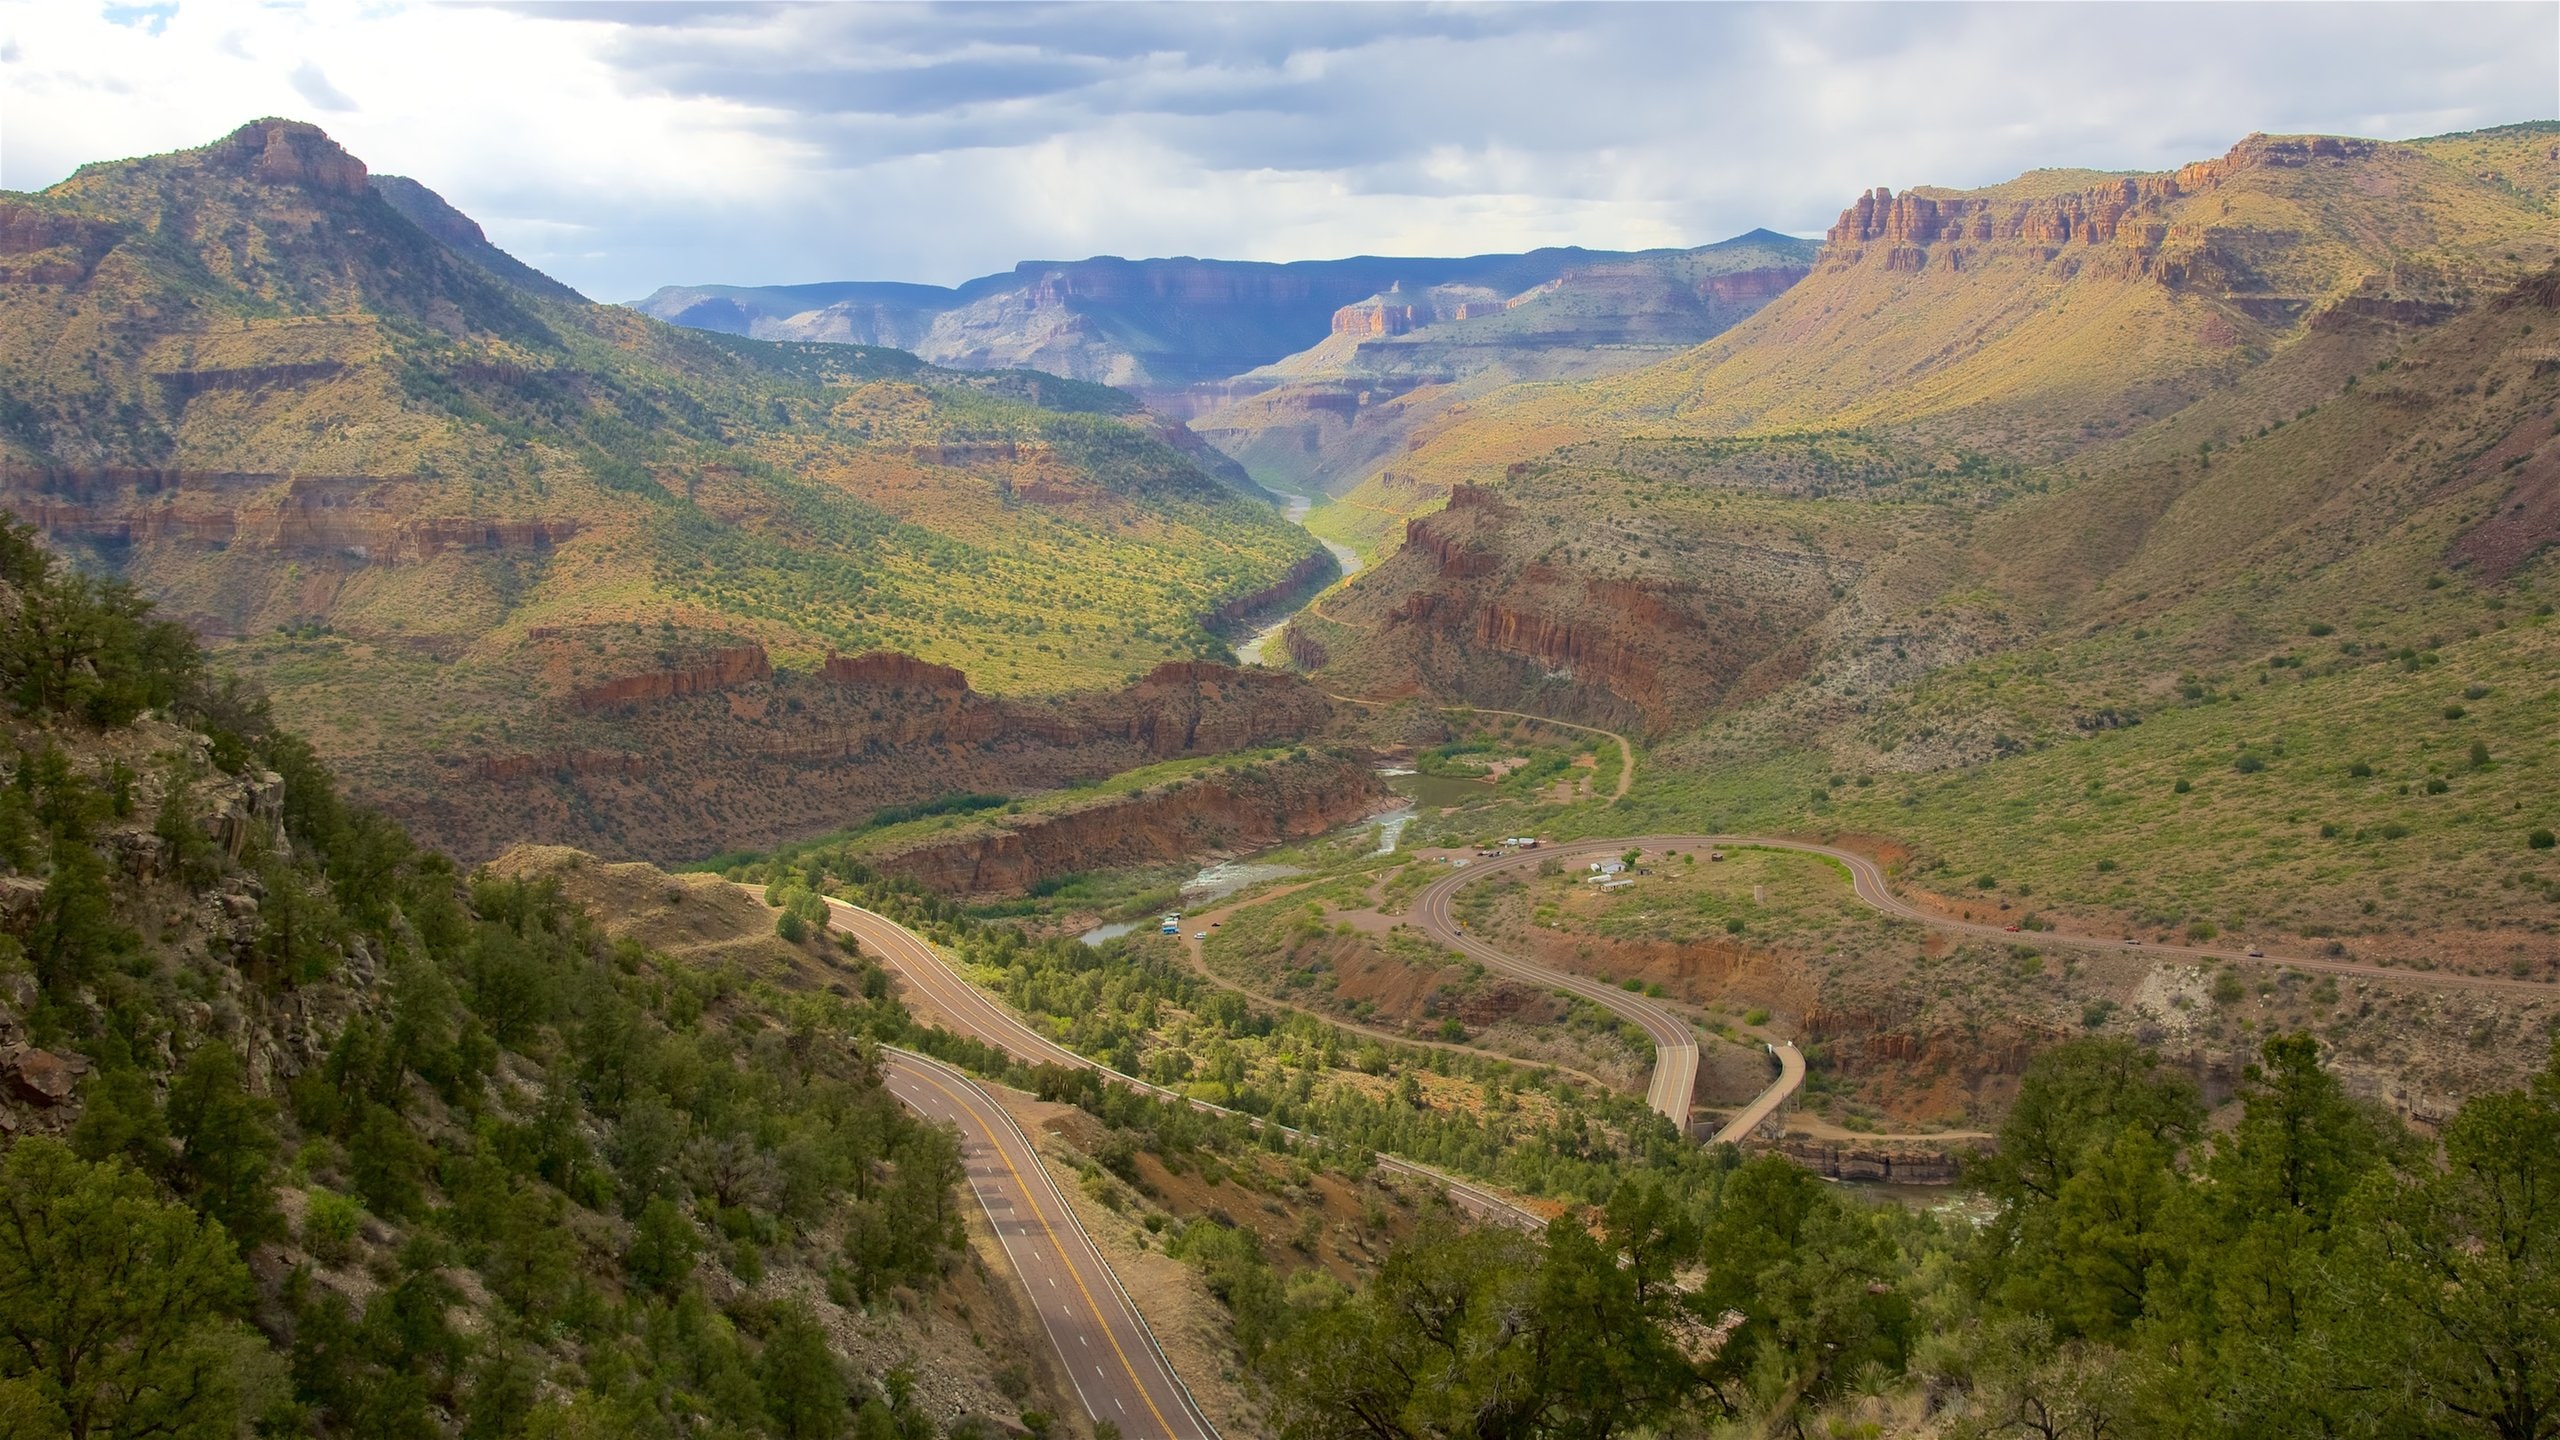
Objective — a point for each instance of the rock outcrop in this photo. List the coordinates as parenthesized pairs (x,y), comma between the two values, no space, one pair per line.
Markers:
(290,152)
(363,518)
(2123,222)
(721,669)
(1218,812)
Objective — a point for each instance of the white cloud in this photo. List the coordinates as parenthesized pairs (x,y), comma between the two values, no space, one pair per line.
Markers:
(627,146)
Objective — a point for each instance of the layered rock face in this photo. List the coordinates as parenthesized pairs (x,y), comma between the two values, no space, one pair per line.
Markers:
(2125,222)
(1395,314)
(360,519)
(1482,603)
(724,752)
(290,152)
(1220,812)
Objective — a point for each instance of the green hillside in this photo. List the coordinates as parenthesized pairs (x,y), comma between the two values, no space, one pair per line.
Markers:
(306,407)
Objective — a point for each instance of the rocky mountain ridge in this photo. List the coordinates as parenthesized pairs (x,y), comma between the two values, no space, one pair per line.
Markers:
(433,499)
(1158,326)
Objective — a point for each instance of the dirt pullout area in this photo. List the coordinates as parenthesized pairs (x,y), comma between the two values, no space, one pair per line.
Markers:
(701,919)
(1223,811)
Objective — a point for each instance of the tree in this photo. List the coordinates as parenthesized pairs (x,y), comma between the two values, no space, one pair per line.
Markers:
(2454,1279)
(664,1246)
(804,1390)
(2084,1180)
(119,1311)
(226,1152)
(1813,1284)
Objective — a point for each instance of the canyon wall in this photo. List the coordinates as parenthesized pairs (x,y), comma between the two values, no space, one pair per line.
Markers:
(1223,811)
(367,518)
(1482,605)
(722,751)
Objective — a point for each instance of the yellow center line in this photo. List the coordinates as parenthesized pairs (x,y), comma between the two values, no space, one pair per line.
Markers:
(996,1140)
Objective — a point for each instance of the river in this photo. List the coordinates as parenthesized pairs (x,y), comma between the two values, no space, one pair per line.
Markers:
(1250,652)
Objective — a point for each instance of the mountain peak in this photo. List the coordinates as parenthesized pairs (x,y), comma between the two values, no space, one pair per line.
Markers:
(291,152)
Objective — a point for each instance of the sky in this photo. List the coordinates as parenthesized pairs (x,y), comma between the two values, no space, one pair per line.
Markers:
(622,147)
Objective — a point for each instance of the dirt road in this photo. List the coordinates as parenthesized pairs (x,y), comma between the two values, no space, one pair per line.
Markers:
(1675,1045)
(1119,1372)
(1676,1051)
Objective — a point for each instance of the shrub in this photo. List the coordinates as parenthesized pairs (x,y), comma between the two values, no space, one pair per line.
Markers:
(2227,988)
(2249,763)
(2475,692)
(1756,1017)
(2201,931)
(2454,712)
(2360,770)
(2479,754)
(2104,866)
(2394,830)
(2318,628)
(329,1224)
(1986,882)
(2181,788)
(1733,926)
(2540,840)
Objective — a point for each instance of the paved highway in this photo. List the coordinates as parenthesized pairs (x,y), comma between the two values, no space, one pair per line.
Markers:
(1119,1372)
(1766,1103)
(1675,1045)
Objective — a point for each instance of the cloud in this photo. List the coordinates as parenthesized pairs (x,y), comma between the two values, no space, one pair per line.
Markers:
(625,146)
(312,85)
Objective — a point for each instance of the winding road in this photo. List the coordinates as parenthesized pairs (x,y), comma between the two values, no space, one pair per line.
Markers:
(1675,1044)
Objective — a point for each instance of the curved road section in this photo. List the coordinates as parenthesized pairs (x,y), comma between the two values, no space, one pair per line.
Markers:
(1675,1045)
(1675,1070)
(973,1013)
(1119,1372)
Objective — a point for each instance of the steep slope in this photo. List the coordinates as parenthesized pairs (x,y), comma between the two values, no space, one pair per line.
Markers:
(431,497)
(2061,309)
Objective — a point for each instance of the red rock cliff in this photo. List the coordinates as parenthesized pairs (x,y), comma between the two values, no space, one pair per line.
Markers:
(735,665)
(289,152)
(1218,812)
